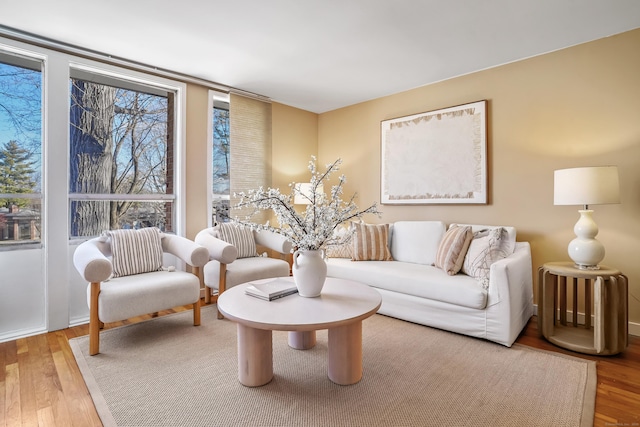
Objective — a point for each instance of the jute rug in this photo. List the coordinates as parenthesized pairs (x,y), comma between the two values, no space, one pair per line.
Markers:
(166,372)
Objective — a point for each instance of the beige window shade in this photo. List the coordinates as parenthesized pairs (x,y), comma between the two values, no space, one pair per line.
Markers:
(250,123)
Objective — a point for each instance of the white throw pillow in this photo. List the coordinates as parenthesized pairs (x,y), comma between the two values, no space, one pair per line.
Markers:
(342,249)
(135,251)
(487,247)
(416,241)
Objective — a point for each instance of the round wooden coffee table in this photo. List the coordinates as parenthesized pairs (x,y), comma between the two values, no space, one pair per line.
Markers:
(341,308)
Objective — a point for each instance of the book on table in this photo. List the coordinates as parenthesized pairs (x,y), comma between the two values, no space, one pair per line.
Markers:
(272,289)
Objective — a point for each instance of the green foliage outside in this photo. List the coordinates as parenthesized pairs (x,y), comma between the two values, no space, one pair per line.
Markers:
(16,173)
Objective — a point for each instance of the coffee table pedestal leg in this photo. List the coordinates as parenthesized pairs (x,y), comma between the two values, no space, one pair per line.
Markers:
(345,354)
(302,340)
(255,356)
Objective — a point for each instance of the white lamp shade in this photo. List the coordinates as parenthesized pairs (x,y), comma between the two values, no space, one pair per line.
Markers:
(597,185)
(304,194)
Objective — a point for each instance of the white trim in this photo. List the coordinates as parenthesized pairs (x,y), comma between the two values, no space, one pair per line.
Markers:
(116,77)
(180,158)
(212,94)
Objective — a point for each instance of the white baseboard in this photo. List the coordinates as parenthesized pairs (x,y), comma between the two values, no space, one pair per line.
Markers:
(23,333)
(634,328)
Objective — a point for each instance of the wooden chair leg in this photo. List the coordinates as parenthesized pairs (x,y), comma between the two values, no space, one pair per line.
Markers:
(94,321)
(203,287)
(222,284)
(196,305)
(196,313)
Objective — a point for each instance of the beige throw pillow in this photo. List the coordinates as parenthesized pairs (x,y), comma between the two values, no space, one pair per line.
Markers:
(453,248)
(135,251)
(370,242)
(239,236)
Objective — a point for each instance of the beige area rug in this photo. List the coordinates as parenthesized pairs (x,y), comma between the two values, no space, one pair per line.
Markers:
(166,372)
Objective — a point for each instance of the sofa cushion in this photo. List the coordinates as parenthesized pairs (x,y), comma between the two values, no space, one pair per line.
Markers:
(416,241)
(487,247)
(412,279)
(239,236)
(135,251)
(453,248)
(126,297)
(370,242)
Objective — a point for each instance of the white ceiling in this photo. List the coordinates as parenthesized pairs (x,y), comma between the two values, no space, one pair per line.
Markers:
(320,55)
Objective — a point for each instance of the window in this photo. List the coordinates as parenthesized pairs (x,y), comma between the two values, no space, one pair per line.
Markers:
(121,155)
(20,150)
(221,160)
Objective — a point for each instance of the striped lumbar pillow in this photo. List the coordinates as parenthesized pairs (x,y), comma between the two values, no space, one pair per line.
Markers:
(453,248)
(135,251)
(239,236)
(370,242)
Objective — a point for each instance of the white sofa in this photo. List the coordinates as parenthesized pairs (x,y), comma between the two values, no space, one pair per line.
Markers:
(413,289)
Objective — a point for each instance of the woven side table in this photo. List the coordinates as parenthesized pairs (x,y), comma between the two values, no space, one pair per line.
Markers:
(605,297)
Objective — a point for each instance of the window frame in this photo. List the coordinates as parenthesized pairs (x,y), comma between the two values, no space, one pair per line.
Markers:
(132,80)
(214,96)
(34,61)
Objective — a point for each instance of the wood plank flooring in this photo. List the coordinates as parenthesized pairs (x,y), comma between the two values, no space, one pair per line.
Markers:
(40,384)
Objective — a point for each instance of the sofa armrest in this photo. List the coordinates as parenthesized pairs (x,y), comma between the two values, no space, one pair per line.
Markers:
(273,241)
(91,263)
(511,278)
(219,250)
(185,249)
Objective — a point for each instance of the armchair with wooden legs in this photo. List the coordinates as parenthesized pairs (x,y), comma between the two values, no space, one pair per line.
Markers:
(226,269)
(112,299)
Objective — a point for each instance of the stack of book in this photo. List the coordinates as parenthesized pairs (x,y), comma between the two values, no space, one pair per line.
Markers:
(271,290)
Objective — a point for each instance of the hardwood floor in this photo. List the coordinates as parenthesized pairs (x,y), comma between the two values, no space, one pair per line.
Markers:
(40,384)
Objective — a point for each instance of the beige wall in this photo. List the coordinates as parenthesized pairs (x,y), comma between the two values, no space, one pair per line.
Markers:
(295,140)
(575,107)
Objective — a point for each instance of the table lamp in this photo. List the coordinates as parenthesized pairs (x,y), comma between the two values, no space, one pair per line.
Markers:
(586,186)
(304,193)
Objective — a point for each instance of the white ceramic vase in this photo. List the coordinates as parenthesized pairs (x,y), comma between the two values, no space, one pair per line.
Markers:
(309,272)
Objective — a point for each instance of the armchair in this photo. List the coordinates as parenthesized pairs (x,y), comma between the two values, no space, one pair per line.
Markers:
(115,292)
(235,260)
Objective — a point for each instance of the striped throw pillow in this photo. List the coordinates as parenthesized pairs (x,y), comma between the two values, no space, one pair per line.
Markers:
(239,236)
(135,251)
(453,248)
(370,242)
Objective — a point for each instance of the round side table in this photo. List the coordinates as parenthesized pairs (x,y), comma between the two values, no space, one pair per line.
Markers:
(605,297)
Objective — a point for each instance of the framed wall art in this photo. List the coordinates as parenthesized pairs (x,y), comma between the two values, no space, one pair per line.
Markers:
(438,157)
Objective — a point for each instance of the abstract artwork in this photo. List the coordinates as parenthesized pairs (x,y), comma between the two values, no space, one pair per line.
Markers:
(438,157)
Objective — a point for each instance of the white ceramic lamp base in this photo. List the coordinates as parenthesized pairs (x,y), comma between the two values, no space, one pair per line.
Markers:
(585,250)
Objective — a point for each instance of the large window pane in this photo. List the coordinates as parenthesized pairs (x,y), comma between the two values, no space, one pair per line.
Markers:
(121,158)
(20,150)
